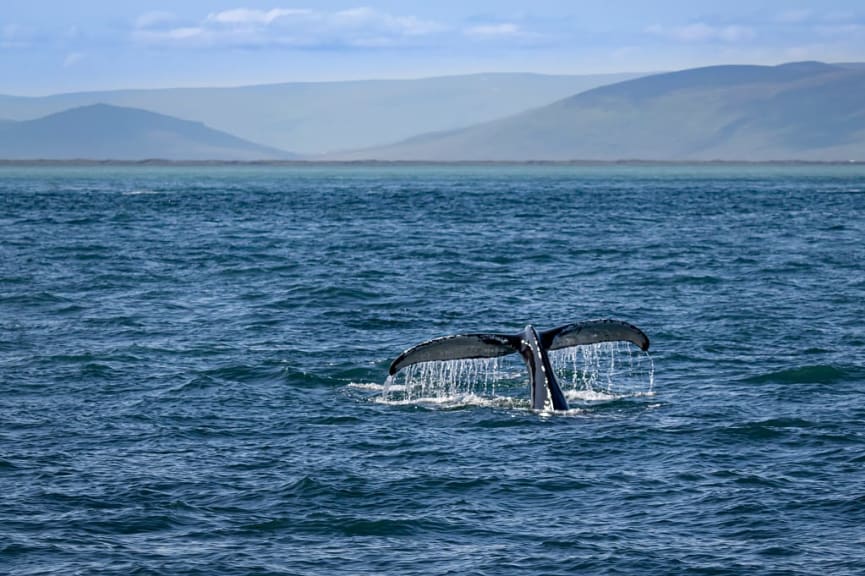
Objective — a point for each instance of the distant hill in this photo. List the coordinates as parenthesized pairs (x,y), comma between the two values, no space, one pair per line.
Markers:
(317,117)
(797,111)
(104,132)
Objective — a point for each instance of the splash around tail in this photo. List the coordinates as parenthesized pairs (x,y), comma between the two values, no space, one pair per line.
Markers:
(531,345)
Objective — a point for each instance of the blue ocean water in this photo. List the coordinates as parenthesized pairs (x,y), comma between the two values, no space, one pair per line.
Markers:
(193,360)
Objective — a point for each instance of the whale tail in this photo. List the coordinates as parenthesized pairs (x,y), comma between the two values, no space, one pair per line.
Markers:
(592,332)
(467,346)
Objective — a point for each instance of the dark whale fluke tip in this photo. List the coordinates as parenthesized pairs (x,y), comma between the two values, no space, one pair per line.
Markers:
(531,345)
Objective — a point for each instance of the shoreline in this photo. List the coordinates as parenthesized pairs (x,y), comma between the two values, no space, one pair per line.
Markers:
(373,163)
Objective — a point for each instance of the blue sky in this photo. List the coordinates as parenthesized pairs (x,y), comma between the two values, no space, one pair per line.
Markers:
(51,46)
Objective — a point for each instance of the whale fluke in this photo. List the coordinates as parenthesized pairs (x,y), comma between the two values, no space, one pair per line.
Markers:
(458,347)
(592,332)
(533,348)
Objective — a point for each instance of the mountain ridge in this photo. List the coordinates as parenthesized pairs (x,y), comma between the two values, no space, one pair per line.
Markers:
(807,111)
(320,117)
(799,111)
(107,132)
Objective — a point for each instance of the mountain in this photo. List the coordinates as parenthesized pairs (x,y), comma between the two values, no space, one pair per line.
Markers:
(104,132)
(318,117)
(797,111)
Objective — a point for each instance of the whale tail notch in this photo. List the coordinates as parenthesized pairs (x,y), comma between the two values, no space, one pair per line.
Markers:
(467,346)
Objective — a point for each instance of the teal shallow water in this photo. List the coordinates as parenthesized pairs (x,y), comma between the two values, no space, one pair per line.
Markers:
(191,362)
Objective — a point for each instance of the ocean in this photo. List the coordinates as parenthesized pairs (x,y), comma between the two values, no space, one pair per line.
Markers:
(194,360)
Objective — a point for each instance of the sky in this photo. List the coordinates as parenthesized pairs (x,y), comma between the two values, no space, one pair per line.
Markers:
(55,46)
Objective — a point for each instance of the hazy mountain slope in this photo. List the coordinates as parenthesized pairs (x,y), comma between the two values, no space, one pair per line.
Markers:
(802,111)
(108,132)
(327,116)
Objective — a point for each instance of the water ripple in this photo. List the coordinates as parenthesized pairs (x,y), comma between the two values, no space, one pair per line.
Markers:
(193,363)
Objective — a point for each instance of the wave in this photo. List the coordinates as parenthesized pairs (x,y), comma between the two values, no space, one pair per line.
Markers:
(602,396)
(394,395)
(141,192)
(455,402)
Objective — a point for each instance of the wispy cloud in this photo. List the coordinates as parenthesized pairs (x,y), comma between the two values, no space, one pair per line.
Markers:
(700,32)
(287,27)
(501,30)
(155,19)
(72,59)
(247,16)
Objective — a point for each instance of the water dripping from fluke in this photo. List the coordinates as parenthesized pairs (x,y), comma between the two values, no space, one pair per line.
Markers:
(601,372)
(604,371)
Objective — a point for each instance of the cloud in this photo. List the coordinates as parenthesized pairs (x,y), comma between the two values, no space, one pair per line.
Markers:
(72,59)
(503,30)
(185,33)
(247,16)
(701,32)
(293,28)
(155,19)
